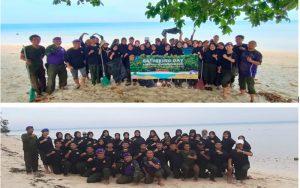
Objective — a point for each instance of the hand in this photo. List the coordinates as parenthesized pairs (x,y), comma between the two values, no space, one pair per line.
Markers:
(28,62)
(249,59)
(114,165)
(94,169)
(225,56)
(219,152)
(215,56)
(151,163)
(83,154)
(91,51)
(230,167)
(90,159)
(242,48)
(202,152)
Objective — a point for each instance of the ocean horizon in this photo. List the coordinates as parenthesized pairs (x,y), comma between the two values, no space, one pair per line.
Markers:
(285,34)
(259,135)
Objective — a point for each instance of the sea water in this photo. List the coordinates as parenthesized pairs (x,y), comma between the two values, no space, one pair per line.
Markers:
(268,140)
(269,36)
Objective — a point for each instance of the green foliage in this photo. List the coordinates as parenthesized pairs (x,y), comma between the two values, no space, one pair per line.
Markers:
(190,63)
(4,126)
(222,12)
(69,2)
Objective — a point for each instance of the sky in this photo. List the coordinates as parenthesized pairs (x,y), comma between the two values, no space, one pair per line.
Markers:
(43,11)
(53,117)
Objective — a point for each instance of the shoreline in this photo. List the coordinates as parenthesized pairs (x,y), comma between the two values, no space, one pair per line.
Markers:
(13,174)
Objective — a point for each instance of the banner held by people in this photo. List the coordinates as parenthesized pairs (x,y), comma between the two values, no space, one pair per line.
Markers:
(164,67)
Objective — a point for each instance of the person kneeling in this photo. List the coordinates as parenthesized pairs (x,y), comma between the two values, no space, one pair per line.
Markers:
(238,159)
(130,170)
(152,168)
(101,169)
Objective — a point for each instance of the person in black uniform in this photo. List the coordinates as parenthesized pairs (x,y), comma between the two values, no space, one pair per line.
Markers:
(174,158)
(101,169)
(219,161)
(45,145)
(160,154)
(56,158)
(238,159)
(86,162)
(72,160)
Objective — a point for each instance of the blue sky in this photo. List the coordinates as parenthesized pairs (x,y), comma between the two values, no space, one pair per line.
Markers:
(42,11)
(54,117)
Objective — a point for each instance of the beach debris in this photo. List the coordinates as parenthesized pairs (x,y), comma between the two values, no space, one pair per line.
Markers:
(17,170)
(293,84)
(274,97)
(295,158)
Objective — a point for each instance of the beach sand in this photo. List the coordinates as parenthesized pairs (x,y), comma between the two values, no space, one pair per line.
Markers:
(278,75)
(269,173)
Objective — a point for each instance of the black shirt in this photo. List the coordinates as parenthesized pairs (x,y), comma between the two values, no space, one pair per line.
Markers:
(217,158)
(75,57)
(100,164)
(174,159)
(93,58)
(161,155)
(45,146)
(74,156)
(238,159)
(226,64)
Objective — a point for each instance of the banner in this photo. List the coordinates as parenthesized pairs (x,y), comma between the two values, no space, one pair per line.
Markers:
(164,67)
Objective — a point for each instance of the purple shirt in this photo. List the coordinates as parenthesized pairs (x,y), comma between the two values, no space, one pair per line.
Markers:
(56,57)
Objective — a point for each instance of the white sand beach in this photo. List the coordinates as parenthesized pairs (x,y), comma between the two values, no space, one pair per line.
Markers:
(278,75)
(271,173)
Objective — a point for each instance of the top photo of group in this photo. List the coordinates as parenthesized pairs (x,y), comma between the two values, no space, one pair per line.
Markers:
(149,51)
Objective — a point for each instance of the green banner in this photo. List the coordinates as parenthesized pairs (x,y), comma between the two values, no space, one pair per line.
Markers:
(164,67)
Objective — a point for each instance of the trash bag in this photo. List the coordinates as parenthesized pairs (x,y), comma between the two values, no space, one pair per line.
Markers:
(172,31)
(117,69)
(146,83)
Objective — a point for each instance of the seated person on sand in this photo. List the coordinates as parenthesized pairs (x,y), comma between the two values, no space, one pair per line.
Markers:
(152,169)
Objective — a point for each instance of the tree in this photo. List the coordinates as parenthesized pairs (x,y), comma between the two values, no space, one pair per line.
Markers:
(222,12)
(4,126)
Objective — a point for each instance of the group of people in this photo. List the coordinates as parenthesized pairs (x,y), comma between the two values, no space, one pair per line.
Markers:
(218,63)
(135,159)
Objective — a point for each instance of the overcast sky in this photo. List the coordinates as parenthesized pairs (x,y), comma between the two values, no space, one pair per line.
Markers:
(43,11)
(131,117)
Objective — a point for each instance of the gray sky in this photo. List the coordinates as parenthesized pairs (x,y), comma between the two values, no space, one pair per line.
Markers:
(140,116)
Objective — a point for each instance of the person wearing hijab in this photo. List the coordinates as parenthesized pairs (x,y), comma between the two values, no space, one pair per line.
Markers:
(117,142)
(210,66)
(128,56)
(177,136)
(90,141)
(153,49)
(45,145)
(137,140)
(247,146)
(105,136)
(148,49)
(227,142)
(212,140)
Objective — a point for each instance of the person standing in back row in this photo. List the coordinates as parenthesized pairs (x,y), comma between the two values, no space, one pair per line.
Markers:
(34,63)
(93,60)
(31,155)
(250,59)
(55,65)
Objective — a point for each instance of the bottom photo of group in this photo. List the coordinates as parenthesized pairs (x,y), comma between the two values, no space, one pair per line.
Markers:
(70,147)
